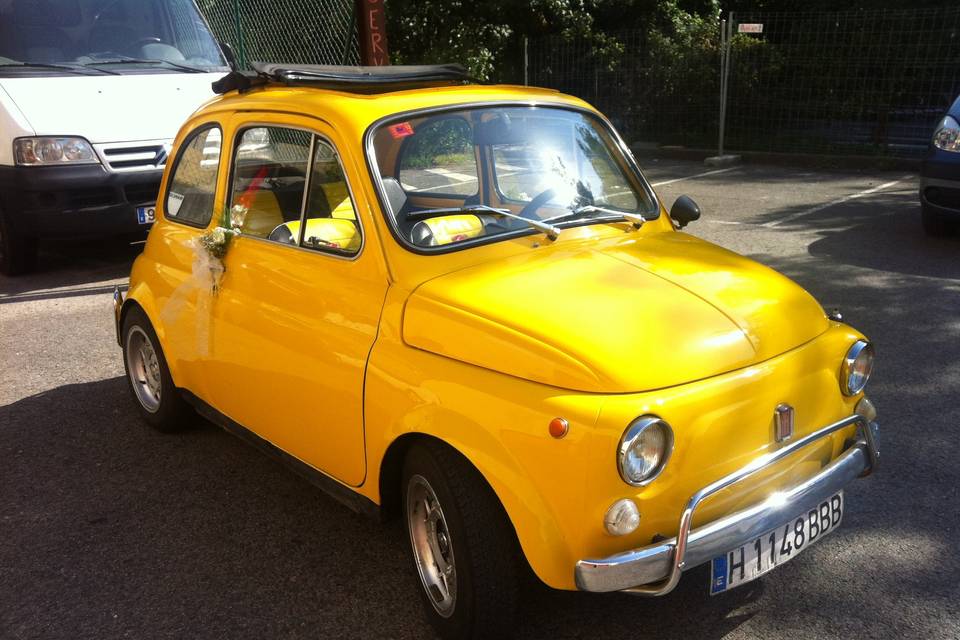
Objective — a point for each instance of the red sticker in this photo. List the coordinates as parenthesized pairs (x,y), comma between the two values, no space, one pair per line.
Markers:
(401,130)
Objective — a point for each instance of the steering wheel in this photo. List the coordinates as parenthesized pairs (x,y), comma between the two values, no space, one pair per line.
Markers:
(541,199)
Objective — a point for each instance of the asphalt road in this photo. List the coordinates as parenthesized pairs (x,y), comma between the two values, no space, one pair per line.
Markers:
(109,530)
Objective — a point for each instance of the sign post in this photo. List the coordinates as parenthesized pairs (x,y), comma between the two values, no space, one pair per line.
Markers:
(372,32)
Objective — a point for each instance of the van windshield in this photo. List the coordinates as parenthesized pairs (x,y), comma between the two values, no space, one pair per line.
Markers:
(52,37)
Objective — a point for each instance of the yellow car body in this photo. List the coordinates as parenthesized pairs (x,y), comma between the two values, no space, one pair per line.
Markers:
(341,361)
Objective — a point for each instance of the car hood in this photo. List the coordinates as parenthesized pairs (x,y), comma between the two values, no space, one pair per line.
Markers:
(655,311)
(110,108)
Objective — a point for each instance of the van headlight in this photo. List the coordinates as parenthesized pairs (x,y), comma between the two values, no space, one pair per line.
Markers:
(644,449)
(40,151)
(856,368)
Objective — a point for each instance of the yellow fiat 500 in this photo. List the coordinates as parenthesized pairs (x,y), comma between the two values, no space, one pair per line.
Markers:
(465,307)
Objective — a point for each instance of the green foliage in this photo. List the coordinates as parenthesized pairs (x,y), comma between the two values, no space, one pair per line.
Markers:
(485,35)
(441,142)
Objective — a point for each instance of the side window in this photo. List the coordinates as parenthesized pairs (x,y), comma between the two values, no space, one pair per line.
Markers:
(438,158)
(190,195)
(331,219)
(269,178)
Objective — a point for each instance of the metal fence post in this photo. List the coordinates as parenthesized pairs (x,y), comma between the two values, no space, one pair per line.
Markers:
(726,33)
(241,52)
(526,61)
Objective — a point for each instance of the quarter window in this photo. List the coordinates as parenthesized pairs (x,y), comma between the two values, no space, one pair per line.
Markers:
(331,219)
(190,196)
(438,157)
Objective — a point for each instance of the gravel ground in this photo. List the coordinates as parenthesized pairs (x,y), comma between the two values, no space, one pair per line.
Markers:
(109,530)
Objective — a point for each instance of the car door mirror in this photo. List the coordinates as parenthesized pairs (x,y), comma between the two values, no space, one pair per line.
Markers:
(684,211)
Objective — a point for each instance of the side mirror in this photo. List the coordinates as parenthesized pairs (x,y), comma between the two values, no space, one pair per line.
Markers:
(684,211)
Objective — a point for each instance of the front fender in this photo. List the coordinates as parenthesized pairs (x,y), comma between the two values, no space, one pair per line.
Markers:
(140,294)
(500,424)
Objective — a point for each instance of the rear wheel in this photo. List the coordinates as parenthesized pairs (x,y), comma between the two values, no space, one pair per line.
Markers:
(464,548)
(158,400)
(935,223)
(18,252)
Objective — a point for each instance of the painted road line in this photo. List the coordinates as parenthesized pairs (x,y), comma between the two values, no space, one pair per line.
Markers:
(443,186)
(827,205)
(696,175)
(462,177)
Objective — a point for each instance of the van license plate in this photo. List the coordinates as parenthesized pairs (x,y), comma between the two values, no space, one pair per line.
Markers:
(757,557)
(146,215)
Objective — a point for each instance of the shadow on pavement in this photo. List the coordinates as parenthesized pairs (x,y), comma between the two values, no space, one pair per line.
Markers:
(75,263)
(113,530)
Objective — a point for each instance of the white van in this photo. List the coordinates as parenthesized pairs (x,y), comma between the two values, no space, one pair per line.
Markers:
(92,93)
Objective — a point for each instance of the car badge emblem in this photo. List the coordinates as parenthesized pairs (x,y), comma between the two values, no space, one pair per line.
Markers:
(783,422)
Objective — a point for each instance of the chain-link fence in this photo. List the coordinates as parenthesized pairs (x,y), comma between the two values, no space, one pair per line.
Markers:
(849,82)
(299,31)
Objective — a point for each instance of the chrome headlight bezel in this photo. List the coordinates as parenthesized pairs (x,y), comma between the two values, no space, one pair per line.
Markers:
(29,152)
(860,348)
(946,136)
(632,436)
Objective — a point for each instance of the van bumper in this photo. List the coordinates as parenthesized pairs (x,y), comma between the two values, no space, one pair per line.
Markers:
(75,201)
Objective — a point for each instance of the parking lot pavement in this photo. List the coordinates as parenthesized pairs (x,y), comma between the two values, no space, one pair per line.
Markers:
(109,530)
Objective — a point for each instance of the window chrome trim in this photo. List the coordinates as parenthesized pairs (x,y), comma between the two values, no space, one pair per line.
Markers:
(373,169)
(636,427)
(849,358)
(306,189)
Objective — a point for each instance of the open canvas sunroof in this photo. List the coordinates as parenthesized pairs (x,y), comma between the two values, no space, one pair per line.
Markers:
(344,78)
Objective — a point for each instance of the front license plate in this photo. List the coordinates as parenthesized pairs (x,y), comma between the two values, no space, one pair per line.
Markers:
(146,215)
(752,560)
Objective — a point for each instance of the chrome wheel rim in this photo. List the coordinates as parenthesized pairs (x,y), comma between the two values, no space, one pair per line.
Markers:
(432,547)
(143,368)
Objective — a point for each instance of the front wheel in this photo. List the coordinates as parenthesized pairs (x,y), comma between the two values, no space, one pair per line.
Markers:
(158,400)
(463,546)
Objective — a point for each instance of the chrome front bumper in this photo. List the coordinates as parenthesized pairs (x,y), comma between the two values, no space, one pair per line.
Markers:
(117,307)
(655,570)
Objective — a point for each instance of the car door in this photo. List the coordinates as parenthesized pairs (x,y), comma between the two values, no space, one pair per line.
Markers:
(300,300)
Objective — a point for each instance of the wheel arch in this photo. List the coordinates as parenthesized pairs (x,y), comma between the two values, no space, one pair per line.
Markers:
(537,533)
(142,298)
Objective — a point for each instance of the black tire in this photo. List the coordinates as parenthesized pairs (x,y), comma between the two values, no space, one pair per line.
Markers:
(18,252)
(166,411)
(935,223)
(485,551)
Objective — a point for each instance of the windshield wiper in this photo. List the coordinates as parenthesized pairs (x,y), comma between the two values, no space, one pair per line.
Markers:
(637,219)
(175,65)
(60,67)
(551,231)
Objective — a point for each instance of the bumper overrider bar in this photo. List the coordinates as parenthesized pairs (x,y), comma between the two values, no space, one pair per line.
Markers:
(117,308)
(655,570)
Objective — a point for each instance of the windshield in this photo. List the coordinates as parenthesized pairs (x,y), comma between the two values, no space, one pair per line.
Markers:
(468,176)
(52,37)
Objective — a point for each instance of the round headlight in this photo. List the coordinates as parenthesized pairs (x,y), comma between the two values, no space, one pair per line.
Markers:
(644,450)
(856,368)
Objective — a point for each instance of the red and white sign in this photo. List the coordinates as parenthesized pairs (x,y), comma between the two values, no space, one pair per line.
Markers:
(750,27)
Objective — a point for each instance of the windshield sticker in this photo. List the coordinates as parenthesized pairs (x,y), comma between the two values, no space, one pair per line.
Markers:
(174,200)
(401,130)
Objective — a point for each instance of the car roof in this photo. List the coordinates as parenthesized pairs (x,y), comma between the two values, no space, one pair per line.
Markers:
(359,110)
